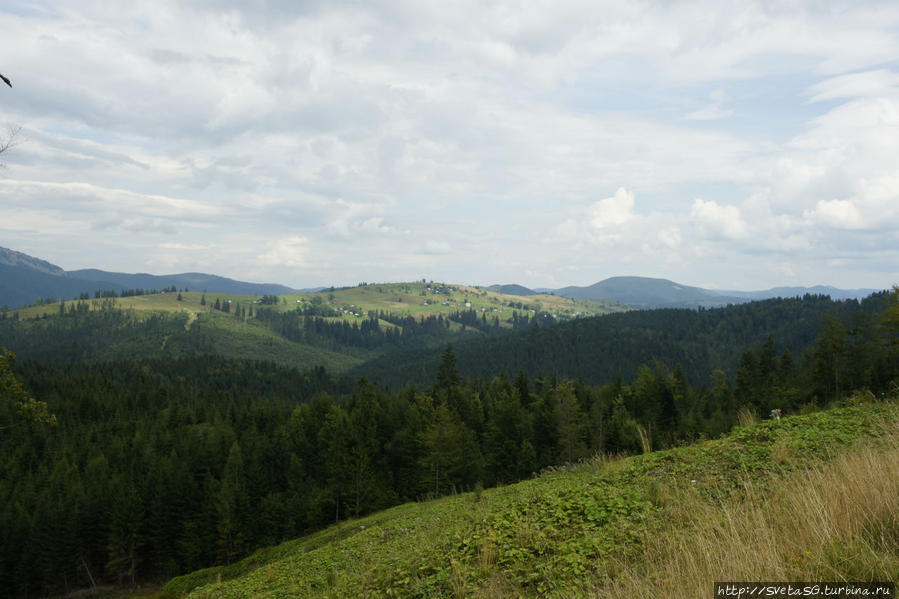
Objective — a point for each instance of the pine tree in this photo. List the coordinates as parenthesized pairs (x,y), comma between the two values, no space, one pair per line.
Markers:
(31,411)
(830,356)
(125,539)
(230,504)
(569,420)
(447,376)
(445,450)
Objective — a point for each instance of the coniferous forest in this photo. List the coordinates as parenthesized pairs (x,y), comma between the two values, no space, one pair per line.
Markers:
(141,469)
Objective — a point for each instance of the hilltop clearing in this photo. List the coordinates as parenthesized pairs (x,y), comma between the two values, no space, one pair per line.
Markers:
(336,329)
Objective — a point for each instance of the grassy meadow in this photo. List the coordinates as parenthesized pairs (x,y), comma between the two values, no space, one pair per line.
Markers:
(416,299)
(421,299)
(807,497)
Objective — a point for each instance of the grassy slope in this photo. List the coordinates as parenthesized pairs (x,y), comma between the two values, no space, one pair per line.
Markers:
(586,530)
(229,337)
(233,339)
(224,335)
(410,298)
(401,298)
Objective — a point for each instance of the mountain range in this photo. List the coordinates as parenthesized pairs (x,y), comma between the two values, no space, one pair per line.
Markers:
(646,292)
(24,278)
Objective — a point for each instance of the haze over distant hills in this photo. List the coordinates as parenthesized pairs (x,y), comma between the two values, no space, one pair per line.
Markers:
(512,290)
(24,278)
(646,292)
(833,292)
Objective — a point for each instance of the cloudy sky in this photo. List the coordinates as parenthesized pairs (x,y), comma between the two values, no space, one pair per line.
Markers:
(735,145)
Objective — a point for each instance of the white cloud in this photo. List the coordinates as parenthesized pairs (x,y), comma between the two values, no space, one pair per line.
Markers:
(106,207)
(838,214)
(716,221)
(613,211)
(288,252)
(855,85)
(670,237)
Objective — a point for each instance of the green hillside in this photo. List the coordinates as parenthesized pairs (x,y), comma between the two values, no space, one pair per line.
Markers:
(155,326)
(605,527)
(414,298)
(337,329)
(616,345)
(420,298)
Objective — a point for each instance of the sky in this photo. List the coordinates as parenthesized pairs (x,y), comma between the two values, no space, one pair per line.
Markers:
(729,145)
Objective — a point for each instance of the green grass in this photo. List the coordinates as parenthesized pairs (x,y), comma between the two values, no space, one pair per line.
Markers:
(231,338)
(570,532)
(422,299)
(418,299)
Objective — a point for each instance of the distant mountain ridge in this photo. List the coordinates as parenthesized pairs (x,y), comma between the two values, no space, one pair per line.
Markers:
(833,292)
(24,278)
(647,292)
(511,290)
(194,281)
(13,258)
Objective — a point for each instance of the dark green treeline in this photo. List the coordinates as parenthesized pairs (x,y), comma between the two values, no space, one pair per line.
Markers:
(600,348)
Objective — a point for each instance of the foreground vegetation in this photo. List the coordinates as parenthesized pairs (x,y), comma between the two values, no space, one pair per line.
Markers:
(806,497)
(835,521)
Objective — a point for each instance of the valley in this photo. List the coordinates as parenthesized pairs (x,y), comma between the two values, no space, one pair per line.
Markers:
(453,440)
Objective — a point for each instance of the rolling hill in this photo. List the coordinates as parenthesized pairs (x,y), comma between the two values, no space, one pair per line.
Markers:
(644,292)
(338,329)
(157,325)
(511,289)
(192,280)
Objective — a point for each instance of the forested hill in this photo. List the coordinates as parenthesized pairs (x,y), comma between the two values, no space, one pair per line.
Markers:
(190,280)
(601,348)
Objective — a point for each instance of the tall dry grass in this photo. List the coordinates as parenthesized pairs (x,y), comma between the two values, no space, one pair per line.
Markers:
(836,522)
